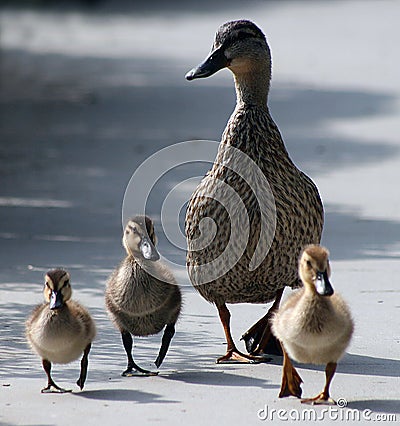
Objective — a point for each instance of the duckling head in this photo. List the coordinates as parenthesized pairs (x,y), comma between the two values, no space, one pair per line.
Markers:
(139,239)
(239,45)
(57,288)
(314,270)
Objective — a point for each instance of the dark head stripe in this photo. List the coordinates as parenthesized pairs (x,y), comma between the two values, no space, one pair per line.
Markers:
(146,224)
(56,274)
(237,30)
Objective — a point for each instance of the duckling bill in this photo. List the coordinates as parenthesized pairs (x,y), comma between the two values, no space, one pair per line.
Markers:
(60,329)
(142,296)
(314,325)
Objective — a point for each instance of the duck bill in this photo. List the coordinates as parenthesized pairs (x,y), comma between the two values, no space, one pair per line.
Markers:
(213,63)
(323,285)
(149,252)
(56,300)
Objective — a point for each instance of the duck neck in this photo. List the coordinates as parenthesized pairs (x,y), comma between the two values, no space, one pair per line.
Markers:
(252,87)
(309,289)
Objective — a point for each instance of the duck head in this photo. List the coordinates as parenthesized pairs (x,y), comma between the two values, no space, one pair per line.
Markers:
(139,239)
(238,45)
(57,288)
(314,270)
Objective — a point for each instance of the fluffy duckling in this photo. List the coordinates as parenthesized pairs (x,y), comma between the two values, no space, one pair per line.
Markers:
(60,329)
(293,219)
(314,325)
(142,296)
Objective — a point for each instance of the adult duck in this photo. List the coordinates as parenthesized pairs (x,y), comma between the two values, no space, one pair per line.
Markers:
(263,209)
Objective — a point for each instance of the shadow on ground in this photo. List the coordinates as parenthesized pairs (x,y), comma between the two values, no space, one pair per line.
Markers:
(376,406)
(357,364)
(218,378)
(124,395)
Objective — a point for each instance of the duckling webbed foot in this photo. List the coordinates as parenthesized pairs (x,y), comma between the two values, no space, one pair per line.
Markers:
(84,364)
(138,371)
(324,397)
(51,386)
(291,380)
(291,386)
(166,340)
(133,369)
(320,399)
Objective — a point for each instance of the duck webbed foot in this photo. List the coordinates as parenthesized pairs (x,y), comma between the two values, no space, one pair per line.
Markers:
(259,339)
(233,356)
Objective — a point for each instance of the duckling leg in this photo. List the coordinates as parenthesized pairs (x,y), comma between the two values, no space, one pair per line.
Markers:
(51,386)
(132,366)
(232,354)
(291,379)
(84,365)
(324,397)
(166,340)
(258,338)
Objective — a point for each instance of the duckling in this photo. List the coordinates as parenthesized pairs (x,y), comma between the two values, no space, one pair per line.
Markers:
(295,211)
(60,329)
(314,325)
(142,296)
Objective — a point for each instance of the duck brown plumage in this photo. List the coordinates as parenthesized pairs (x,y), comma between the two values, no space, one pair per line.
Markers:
(290,202)
(142,295)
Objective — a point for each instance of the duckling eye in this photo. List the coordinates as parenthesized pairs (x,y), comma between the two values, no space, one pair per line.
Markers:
(66,283)
(309,264)
(133,229)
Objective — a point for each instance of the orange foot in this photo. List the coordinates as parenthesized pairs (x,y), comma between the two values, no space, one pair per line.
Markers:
(235,357)
(321,399)
(291,386)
